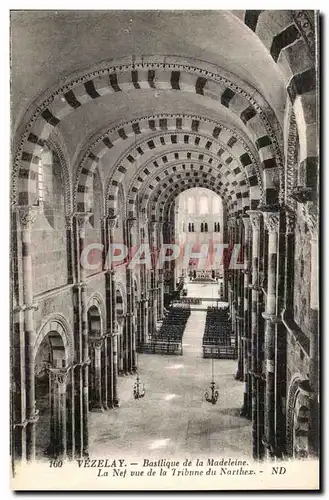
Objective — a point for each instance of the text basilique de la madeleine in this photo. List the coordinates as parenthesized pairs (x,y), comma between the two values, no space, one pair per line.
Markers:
(164,463)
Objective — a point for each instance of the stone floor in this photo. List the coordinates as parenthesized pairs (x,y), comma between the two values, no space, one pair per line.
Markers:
(173,419)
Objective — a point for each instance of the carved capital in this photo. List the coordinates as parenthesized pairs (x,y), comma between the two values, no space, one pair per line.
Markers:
(58,375)
(245,221)
(27,216)
(311,216)
(301,194)
(33,417)
(81,285)
(82,218)
(96,342)
(230,223)
(131,223)
(271,221)
(68,222)
(290,222)
(272,318)
(111,220)
(254,216)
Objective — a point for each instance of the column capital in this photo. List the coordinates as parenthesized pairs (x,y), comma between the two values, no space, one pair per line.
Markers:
(143,218)
(111,220)
(82,217)
(239,222)
(27,216)
(81,285)
(96,341)
(255,216)
(272,318)
(155,224)
(59,375)
(271,220)
(311,216)
(245,221)
(68,221)
(290,221)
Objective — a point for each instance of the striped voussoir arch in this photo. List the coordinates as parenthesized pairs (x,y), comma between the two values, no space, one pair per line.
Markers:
(196,171)
(291,37)
(132,77)
(231,193)
(230,153)
(235,200)
(230,174)
(160,206)
(56,325)
(97,301)
(168,131)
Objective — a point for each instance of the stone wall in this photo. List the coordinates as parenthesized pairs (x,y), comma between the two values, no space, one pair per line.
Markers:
(302,276)
(48,240)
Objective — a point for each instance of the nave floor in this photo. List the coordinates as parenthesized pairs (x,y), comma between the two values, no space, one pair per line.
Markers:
(173,420)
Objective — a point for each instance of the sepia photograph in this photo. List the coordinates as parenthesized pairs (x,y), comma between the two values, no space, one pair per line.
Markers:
(164,250)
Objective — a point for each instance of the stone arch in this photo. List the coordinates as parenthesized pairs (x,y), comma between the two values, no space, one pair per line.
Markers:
(193,132)
(120,298)
(60,150)
(182,75)
(233,162)
(97,301)
(298,417)
(294,33)
(175,173)
(245,180)
(284,34)
(244,166)
(136,285)
(168,205)
(158,204)
(56,323)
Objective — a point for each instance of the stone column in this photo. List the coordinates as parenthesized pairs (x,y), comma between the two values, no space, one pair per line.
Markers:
(96,346)
(161,295)
(271,220)
(239,308)
(69,246)
(105,361)
(82,219)
(115,367)
(232,273)
(113,339)
(58,434)
(255,341)
(312,219)
(246,338)
(289,263)
(27,218)
(130,331)
(160,275)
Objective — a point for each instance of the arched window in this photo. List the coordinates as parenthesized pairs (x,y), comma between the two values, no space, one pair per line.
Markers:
(206,227)
(192,227)
(216,205)
(201,227)
(190,206)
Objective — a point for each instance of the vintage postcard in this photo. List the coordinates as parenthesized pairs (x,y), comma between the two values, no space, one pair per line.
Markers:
(164,250)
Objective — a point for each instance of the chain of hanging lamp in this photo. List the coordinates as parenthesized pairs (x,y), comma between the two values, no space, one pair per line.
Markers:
(211,395)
